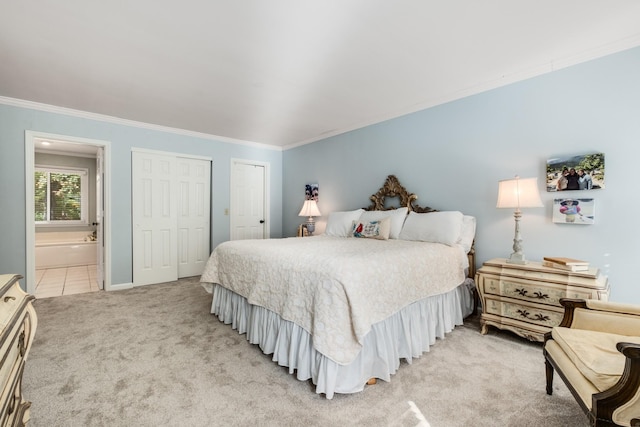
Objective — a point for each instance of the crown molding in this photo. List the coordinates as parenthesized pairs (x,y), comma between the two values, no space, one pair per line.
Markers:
(530,72)
(32,105)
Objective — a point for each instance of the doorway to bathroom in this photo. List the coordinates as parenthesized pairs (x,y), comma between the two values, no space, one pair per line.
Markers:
(67,215)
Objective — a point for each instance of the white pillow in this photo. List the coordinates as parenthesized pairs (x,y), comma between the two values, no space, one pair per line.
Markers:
(339,223)
(437,227)
(468,232)
(397,217)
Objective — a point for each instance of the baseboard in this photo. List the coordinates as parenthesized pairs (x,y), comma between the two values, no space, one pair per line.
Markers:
(120,287)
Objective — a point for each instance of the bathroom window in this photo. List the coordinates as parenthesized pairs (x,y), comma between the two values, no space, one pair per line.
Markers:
(60,196)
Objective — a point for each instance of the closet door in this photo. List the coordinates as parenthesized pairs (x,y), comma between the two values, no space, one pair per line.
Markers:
(248,219)
(194,193)
(154,206)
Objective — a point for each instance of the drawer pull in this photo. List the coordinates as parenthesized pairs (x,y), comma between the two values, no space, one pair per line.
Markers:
(537,294)
(21,346)
(538,317)
(12,405)
(8,298)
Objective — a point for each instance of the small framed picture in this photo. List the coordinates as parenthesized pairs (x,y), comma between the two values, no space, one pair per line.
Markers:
(579,172)
(574,211)
(311,192)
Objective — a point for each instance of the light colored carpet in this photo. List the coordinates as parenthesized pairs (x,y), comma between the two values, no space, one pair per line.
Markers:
(155,356)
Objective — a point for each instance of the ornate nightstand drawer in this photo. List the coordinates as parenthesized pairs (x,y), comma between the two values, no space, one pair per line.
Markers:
(10,301)
(524,313)
(531,291)
(12,355)
(18,322)
(525,298)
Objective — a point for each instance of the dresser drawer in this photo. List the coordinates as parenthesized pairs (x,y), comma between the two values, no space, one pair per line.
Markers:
(524,313)
(532,291)
(10,302)
(525,298)
(13,355)
(18,321)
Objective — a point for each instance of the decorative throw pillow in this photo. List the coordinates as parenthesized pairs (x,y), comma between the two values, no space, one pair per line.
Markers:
(437,227)
(339,223)
(397,217)
(378,229)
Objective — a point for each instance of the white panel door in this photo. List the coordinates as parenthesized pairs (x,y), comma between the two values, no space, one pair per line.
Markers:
(155,248)
(248,202)
(194,192)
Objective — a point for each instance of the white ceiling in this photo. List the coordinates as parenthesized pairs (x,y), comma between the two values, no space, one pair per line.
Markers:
(287,72)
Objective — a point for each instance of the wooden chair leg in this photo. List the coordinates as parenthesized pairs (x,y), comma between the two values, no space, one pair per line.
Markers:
(371,381)
(549,374)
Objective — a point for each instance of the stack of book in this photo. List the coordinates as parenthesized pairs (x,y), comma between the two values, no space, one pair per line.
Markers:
(563,263)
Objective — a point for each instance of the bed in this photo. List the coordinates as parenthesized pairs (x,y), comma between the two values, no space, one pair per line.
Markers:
(345,307)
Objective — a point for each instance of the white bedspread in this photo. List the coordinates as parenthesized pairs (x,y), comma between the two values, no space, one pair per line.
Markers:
(335,288)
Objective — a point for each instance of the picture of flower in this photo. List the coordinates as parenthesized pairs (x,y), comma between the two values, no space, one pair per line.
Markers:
(574,211)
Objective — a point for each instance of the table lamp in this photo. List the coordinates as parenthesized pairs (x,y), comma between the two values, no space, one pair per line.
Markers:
(310,209)
(518,193)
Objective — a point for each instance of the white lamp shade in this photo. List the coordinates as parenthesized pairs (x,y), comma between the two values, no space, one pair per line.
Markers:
(310,208)
(519,193)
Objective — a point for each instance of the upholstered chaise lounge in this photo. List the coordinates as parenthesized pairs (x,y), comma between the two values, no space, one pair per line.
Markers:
(596,352)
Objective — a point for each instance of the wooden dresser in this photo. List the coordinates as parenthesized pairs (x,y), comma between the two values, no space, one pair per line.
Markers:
(18,324)
(525,299)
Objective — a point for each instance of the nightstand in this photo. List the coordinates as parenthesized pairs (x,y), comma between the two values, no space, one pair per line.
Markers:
(525,299)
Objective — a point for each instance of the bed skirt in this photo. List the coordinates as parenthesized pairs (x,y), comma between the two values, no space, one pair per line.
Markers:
(404,335)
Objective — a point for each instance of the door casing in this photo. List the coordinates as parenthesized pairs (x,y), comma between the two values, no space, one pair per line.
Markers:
(30,238)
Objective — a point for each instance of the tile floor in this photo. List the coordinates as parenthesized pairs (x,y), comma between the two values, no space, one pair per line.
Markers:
(55,282)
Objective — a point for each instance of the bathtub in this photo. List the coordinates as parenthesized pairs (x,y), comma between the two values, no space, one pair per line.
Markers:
(64,249)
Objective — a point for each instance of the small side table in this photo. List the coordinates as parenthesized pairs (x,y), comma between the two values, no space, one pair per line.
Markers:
(525,299)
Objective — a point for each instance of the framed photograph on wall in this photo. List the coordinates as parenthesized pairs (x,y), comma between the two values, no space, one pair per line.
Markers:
(311,192)
(574,211)
(579,172)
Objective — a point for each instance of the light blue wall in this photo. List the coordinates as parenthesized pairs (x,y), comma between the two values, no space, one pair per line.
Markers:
(453,155)
(14,121)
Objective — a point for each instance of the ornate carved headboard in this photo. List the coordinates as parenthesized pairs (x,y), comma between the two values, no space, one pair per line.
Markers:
(393,188)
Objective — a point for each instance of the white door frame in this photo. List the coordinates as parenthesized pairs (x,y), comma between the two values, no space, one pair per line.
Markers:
(267,194)
(29,143)
(100,217)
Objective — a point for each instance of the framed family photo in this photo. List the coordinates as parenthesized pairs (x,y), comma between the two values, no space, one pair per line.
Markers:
(579,172)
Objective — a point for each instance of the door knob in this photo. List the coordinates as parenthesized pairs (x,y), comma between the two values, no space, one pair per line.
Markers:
(262,221)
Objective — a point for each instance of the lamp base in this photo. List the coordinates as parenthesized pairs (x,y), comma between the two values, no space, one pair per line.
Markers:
(517,256)
(516,259)
(310,226)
